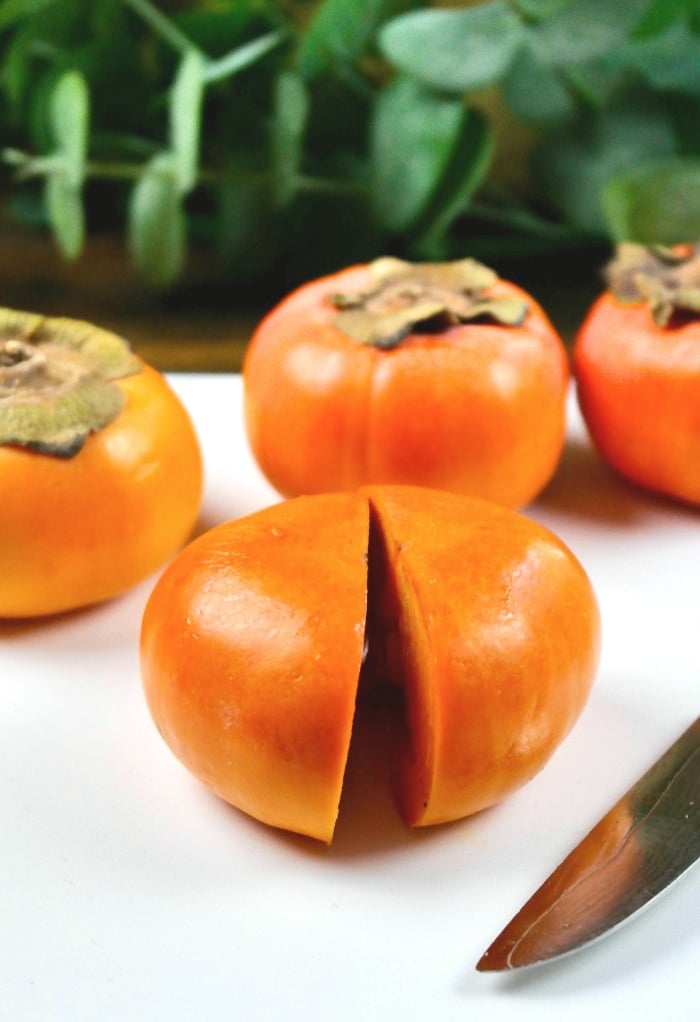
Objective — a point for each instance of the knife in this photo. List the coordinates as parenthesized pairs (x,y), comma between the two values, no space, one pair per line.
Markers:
(647,840)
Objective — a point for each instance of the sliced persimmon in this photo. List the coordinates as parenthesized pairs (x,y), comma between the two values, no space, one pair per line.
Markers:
(497,646)
(253,644)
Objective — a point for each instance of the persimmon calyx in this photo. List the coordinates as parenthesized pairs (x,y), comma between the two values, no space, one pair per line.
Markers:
(57,381)
(425,297)
(667,278)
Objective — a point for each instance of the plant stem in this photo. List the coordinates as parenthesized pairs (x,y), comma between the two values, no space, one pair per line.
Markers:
(123,171)
(162,25)
(357,82)
(33,166)
(519,218)
(329,186)
(242,56)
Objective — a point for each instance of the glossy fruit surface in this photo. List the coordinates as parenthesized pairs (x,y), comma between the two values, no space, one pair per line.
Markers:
(253,651)
(252,644)
(638,385)
(78,530)
(498,644)
(472,405)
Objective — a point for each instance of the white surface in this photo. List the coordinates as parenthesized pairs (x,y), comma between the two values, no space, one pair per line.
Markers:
(128,892)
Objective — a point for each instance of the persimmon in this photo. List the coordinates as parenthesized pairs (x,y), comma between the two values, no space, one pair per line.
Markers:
(100,467)
(636,361)
(439,375)
(256,636)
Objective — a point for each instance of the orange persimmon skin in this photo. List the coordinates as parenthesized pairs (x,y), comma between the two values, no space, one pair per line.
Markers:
(638,387)
(76,531)
(252,646)
(478,409)
(504,646)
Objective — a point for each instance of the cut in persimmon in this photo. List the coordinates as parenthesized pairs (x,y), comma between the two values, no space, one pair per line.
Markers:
(497,646)
(252,650)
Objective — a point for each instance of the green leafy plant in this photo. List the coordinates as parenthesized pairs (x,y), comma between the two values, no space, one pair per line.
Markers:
(290,138)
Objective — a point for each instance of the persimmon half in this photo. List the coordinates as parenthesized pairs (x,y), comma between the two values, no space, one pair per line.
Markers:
(439,375)
(100,466)
(636,361)
(257,636)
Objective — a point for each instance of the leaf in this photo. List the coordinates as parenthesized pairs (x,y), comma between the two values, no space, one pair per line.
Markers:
(583,30)
(69,111)
(16,68)
(658,203)
(535,92)
(692,13)
(537,9)
(12,11)
(290,116)
(573,164)
(659,15)
(454,50)
(217,28)
(670,60)
(185,118)
(157,223)
(341,31)
(413,134)
(64,209)
(466,171)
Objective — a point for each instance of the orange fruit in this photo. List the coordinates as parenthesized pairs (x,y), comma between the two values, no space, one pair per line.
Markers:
(253,643)
(87,511)
(636,361)
(438,375)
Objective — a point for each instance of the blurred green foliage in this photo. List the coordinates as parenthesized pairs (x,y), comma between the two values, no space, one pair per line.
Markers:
(291,138)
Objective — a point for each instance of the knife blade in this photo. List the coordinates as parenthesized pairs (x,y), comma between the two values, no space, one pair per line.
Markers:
(641,846)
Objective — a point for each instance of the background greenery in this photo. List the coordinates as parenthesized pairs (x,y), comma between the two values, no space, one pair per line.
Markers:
(286,139)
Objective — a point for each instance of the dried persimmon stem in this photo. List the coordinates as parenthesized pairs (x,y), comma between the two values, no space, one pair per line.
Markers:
(429,297)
